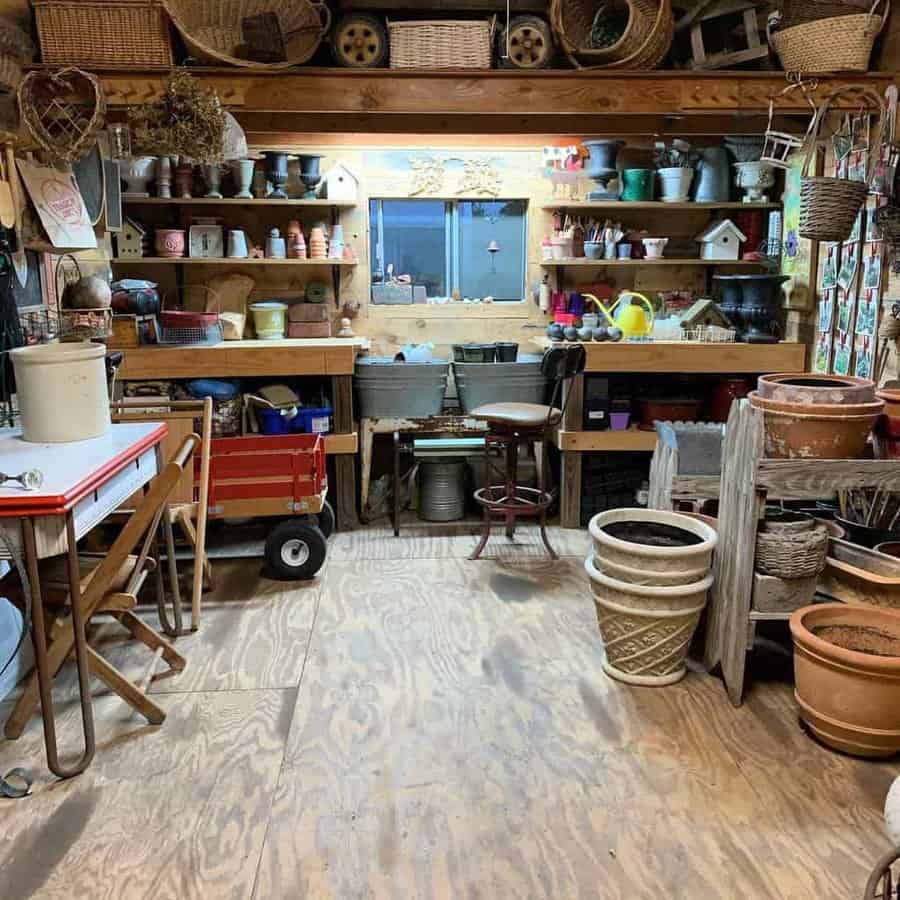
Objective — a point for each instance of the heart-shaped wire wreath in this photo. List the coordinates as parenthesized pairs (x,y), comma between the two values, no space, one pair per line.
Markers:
(64,111)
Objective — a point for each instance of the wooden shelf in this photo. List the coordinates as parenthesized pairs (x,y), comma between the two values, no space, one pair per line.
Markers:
(665,261)
(339,444)
(226,261)
(626,205)
(587,441)
(692,358)
(233,359)
(231,201)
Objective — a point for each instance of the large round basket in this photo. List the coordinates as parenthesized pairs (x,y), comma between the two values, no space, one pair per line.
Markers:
(836,44)
(212,29)
(643,45)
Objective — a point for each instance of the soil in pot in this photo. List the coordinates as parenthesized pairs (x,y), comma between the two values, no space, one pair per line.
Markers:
(652,534)
(860,639)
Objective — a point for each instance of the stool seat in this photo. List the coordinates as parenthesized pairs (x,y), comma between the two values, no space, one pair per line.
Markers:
(522,415)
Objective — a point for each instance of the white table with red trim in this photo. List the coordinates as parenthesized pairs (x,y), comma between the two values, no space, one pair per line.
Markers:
(83,482)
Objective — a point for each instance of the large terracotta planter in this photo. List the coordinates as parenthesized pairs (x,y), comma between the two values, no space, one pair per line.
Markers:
(808,387)
(680,552)
(848,695)
(891,397)
(873,407)
(646,630)
(802,435)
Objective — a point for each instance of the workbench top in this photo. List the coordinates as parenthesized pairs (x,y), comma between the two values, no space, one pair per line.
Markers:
(229,359)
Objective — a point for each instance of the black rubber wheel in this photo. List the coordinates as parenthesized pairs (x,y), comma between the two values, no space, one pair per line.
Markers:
(531,44)
(325,520)
(359,41)
(295,550)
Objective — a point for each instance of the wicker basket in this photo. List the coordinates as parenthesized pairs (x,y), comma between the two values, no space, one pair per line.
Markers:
(644,44)
(798,12)
(829,206)
(441,44)
(792,554)
(212,28)
(103,32)
(837,44)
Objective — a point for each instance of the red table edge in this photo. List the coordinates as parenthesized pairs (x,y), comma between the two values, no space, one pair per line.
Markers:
(47,505)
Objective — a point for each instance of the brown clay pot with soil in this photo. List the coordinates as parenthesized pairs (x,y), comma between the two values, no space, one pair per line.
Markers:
(873,407)
(891,397)
(808,387)
(802,435)
(847,673)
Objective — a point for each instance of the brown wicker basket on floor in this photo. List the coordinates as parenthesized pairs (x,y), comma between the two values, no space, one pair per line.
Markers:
(644,44)
(839,44)
(829,206)
(441,44)
(103,32)
(791,554)
(212,28)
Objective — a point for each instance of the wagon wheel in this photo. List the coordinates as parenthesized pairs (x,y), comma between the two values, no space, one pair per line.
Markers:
(530,43)
(359,41)
(295,549)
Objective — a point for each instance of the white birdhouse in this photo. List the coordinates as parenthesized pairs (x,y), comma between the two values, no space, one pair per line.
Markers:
(132,241)
(340,184)
(721,240)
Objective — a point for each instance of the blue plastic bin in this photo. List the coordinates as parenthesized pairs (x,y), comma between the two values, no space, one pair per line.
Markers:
(314,421)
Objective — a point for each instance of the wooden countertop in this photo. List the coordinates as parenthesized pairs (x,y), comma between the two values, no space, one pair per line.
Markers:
(230,359)
(691,357)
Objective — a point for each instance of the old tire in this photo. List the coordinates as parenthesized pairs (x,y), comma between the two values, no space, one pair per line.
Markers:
(295,550)
(531,44)
(359,41)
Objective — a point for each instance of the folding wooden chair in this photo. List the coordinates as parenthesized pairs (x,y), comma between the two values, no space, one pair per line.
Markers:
(189,514)
(110,584)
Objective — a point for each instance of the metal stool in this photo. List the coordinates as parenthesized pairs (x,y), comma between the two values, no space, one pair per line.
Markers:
(510,425)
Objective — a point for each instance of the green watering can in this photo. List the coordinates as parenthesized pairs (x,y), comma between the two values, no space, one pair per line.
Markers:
(631,320)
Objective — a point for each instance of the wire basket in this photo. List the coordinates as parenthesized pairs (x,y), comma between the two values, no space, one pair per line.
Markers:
(709,334)
(203,329)
(85,324)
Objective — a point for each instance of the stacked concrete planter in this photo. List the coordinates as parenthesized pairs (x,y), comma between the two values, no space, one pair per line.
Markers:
(650,576)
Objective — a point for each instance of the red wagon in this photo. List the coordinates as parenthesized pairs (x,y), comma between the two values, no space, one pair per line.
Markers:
(280,477)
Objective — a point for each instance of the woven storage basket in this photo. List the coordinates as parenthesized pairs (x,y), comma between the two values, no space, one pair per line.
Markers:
(212,29)
(446,44)
(792,554)
(829,206)
(103,32)
(837,44)
(644,44)
(798,12)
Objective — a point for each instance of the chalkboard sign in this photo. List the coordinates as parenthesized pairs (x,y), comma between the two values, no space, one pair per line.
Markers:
(33,292)
(89,175)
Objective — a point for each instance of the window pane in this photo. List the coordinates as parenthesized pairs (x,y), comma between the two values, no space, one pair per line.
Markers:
(500,225)
(413,237)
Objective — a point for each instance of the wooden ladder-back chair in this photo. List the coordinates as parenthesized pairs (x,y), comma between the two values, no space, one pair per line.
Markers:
(110,585)
(188,513)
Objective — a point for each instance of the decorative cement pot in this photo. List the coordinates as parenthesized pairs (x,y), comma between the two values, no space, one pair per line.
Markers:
(653,247)
(278,175)
(601,166)
(814,435)
(164,178)
(807,387)
(653,542)
(138,173)
(751,303)
(754,179)
(646,630)
(310,174)
(675,184)
(638,184)
(847,671)
(244,171)
(212,175)
(713,182)
(170,243)
(184,180)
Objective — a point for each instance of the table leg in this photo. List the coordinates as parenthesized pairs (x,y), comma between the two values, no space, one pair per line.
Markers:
(366,440)
(45,677)
(395,503)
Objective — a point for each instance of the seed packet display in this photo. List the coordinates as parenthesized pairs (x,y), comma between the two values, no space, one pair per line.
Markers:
(829,267)
(849,266)
(857,230)
(822,361)
(843,348)
(865,356)
(872,267)
(867,313)
(826,311)
(846,309)
(873,230)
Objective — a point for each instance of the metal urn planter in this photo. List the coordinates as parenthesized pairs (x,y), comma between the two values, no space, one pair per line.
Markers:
(752,304)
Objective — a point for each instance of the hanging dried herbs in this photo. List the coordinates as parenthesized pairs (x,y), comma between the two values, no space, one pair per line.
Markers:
(188,122)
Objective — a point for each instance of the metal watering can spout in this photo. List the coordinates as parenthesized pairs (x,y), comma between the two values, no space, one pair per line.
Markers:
(601,308)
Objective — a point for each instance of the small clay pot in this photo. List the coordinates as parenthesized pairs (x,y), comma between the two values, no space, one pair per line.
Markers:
(875,407)
(847,671)
(667,411)
(798,435)
(170,243)
(807,387)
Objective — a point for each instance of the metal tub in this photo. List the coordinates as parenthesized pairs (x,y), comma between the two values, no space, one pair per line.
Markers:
(513,382)
(387,389)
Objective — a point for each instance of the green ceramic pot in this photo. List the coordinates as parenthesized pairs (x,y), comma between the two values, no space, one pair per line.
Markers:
(638,184)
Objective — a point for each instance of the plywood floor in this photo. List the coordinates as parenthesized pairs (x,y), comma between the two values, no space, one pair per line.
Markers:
(414,725)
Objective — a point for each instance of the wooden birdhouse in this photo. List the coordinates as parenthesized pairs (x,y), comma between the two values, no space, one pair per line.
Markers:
(340,185)
(132,241)
(721,240)
(704,313)
(724,33)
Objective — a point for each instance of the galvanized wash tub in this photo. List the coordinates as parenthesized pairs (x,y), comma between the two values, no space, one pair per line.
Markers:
(385,388)
(513,382)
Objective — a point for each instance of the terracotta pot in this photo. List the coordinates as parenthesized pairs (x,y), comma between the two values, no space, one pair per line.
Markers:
(727,390)
(887,436)
(891,397)
(170,242)
(667,411)
(796,435)
(807,387)
(875,407)
(847,697)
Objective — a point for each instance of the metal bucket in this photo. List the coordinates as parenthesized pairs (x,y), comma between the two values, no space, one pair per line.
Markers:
(386,388)
(513,382)
(442,490)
